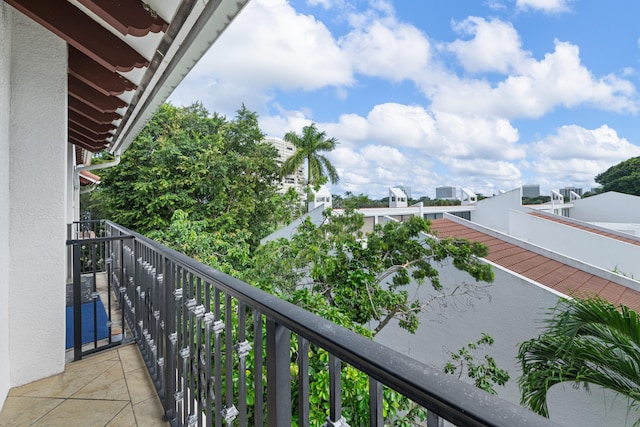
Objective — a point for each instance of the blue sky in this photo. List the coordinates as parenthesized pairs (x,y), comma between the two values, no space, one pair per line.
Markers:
(483,94)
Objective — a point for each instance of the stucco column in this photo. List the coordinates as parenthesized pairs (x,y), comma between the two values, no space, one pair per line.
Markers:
(38,201)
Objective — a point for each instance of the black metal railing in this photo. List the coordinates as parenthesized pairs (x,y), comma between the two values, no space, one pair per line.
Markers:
(98,322)
(219,351)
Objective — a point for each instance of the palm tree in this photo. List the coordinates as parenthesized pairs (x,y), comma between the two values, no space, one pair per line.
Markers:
(587,341)
(309,145)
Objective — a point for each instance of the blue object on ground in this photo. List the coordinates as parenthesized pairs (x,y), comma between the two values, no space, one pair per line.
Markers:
(87,323)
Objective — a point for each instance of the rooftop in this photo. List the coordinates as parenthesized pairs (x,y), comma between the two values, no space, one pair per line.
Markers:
(552,273)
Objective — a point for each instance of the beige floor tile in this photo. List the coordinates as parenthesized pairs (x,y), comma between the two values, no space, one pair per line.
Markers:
(140,385)
(110,385)
(149,413)
(124,419)
(130,357)
(76,412)
(23,411)
(61,385)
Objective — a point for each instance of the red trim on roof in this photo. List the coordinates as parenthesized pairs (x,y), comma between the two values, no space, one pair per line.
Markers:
(544,270)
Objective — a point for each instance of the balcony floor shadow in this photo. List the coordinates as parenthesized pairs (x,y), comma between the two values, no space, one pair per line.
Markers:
(111,388)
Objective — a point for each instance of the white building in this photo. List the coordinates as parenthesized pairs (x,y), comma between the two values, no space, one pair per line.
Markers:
(397,198)
(296,180)
(73,80)
(538,257)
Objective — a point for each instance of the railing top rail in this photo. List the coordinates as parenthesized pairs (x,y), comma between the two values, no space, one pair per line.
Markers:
(98,239)
(448,397)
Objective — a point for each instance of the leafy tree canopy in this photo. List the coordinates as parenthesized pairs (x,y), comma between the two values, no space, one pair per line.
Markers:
(364,275)
(623,177)
(218,171)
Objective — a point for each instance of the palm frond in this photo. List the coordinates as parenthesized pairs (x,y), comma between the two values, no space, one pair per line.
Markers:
(588,341)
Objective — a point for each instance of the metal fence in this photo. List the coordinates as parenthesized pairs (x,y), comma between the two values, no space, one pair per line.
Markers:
(222,352)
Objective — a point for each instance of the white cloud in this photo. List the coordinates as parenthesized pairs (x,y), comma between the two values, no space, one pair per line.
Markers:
(495,46)
(468,136)
(269,45)
(401,125)
(485,168)
(575,155)
(559,79)
(549,6)
(385,48)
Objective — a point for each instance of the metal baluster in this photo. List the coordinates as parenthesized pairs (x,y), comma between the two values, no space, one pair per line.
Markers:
(258,387)
(303,382)
(230,412)
(242,348)
(278,375)
(335,418)
(171,302)
(376,418)
(434,420)
(218,327)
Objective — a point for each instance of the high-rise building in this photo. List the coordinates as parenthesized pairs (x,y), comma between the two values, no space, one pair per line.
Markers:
(446,193)
(566,192)
(531,190)
(286,150)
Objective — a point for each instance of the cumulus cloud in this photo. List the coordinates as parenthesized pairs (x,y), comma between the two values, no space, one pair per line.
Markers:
(467,136)
(495,46)
(385,48)
(549,6)
(559,79)
(576,155)
(270,45)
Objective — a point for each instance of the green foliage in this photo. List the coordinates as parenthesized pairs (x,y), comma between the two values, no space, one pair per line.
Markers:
(227,252)
(358,281)
(309,146)
(536,200)
(219,171)
(623,177)
(483,370)
(586,341)
(364,276)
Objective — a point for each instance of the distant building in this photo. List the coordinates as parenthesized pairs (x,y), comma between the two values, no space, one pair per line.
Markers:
(566,192)
(322,197)
(446,193)
(286,150)
(531,190)
(405,189)
(397,198)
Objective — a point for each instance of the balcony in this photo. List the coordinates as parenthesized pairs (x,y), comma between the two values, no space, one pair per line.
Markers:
(203,335)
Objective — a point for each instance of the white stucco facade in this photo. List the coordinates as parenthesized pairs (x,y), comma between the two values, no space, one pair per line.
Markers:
(607,207)
(33,190)
(509,313)
(5,66)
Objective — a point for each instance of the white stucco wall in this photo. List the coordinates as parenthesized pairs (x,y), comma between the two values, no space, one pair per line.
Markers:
(607,207)
(38,196)
(510,317)
(493,212)
(5,65)
(601,251)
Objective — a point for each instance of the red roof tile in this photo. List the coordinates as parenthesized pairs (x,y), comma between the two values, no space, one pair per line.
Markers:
(544,270)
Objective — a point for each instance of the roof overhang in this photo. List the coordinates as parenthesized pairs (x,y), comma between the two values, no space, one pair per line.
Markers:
(125,59)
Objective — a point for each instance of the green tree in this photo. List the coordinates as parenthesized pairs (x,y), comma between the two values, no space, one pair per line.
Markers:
(586,341)
(360,281)
(309,146)
(217,170)
(623,177)
(365,275)
(483,370)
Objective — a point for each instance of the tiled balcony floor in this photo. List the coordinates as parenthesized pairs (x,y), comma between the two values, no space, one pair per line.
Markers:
(112,388)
